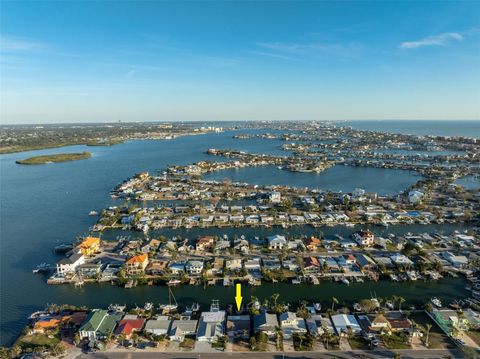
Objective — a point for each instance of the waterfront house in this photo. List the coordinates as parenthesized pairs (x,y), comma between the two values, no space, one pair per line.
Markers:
(89,246)
(312,265)
(345,323)
(233,265)
(176,267)
(397,321)
(238,326)
(205,244)
(158,326)
(348,244)
(151,246)
(290,264)
(272,264)
(252,264)
(89,270)
(217,266)
(69,264)
(194,267)
(415,197)
(329,263)
(47,324)
(222,245)
(457,261)
(401,260)
(137,264)
(364,238)
(383,261)
(291,324)
(181,328)
(274,197)
(99,325)
(156,267)
(128,325)
(276,242)
(211,324)
(378,323)
(364,262)
(312,243)
(265,322)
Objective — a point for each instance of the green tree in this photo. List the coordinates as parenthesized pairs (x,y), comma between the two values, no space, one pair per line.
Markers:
(428,327)
(334,302)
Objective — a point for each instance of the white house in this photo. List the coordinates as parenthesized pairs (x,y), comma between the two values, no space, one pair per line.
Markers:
(159,326)
(415,196)
(275,197)
(401,260)
(276,242)
(180,328)
(345,322)
(291,324)
(69,264)
(194,267)
(211,325)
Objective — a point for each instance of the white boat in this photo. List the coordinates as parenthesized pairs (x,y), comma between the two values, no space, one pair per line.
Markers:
(116,308)
(436,302)
(173,282)
(42,268)
(93,213)
(317,306)
(39,314)
(170,306)
(345,281)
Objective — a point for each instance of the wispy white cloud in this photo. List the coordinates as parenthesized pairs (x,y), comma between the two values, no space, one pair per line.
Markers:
(294,51)
(437,40)
(274,55)
(130,74)
(17,44)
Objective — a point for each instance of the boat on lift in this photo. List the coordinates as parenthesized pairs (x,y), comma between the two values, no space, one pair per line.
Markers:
(117,308)
(436,302)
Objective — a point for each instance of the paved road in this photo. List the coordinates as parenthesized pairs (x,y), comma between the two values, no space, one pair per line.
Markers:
(378,354)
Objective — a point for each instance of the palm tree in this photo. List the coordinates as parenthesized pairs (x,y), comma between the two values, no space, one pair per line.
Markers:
(414,326)
(401,300)
(428,327)
(275,297)
(278,334)
(334,301)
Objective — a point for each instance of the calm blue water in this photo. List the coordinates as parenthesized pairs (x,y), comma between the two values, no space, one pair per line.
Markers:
(337,178)
(423,127)
(470,182)
(47,204)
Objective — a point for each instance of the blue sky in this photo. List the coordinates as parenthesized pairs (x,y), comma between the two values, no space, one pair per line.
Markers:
(231,60)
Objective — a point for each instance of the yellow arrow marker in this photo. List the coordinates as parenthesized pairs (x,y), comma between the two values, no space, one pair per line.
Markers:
(238,296)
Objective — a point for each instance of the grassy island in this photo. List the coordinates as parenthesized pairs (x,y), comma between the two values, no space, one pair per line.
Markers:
(61,157)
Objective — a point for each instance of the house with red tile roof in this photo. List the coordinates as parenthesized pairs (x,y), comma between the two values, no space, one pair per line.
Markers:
(312,243)
(128,325)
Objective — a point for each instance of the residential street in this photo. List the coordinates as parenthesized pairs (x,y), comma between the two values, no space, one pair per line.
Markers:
(380,354)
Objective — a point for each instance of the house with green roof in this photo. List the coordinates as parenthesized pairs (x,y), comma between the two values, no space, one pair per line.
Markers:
(99,325)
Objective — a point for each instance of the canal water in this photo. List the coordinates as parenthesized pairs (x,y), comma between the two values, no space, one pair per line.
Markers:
(337,178)
(44,205)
